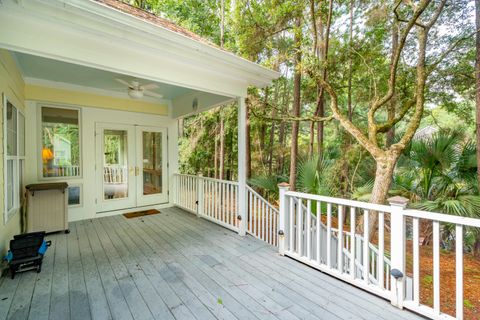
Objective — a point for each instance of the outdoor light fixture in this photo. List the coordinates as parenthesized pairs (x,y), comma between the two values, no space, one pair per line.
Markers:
(135,93)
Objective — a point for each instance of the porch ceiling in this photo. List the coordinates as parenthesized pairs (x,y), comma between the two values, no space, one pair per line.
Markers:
(50,73)
(38,69)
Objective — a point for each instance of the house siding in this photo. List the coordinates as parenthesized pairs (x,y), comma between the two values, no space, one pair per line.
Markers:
(13,86)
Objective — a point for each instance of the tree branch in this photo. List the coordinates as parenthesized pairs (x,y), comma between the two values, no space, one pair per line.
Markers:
(396,57)
(449,50)
(389,124)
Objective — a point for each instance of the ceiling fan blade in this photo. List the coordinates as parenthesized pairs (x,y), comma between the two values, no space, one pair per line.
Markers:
(150,86)
(125,83)
(152,94)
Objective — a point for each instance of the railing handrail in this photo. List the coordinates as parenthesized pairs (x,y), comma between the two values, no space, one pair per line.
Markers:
(235,183)
(442,217)
(262,199)
(339,201)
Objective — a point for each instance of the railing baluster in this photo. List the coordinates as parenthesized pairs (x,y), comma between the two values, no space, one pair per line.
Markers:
(308,218)
(299,227)
(269,210)
(231,211)
(366,233)
(381,249)
(459,271)
(255,227)
(340,239)
(291,222)
(329,234)
(319,230)
(275,229)
(352,242)
(250,211)
(436,267)
(262,205)
(416,261)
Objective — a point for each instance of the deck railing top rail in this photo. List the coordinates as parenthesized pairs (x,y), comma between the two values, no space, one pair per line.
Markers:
(339,201)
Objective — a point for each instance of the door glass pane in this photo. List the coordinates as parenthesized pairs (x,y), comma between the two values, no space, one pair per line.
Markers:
(152,162)
(115,168)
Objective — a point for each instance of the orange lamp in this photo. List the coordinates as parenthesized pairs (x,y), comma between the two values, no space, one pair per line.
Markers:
(47,154)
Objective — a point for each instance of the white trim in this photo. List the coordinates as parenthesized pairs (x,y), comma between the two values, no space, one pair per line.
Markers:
(39,135)
(17,159)
(80,186)
(86,89)
(39,27)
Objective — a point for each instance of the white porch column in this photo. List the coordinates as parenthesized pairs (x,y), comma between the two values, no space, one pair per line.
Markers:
(242,169)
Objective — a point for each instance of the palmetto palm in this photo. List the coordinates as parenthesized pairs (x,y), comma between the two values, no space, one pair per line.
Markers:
(440,177)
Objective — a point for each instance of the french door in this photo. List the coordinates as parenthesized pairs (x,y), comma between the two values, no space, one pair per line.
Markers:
(131,166)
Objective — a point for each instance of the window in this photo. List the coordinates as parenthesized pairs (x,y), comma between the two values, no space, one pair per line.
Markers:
(14,144)
(60,154)
(74,195)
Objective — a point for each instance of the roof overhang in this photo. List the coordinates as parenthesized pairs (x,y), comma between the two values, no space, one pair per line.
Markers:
(92,34)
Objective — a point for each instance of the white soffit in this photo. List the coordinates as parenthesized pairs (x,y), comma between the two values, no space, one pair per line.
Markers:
(94,35)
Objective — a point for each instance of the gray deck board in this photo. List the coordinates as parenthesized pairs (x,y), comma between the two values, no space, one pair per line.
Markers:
(174,265)
(79,306)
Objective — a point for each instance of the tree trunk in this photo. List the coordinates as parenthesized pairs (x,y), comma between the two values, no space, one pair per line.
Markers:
(222,147)
(476,246)
(393,101)
(297,78)
(321,92)
(282,130)
(222,22)
(381,185)
(349,85)
(215,157)
(477,82)
(272,132)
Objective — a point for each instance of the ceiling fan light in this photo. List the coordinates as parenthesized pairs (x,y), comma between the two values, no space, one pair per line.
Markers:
(135,94)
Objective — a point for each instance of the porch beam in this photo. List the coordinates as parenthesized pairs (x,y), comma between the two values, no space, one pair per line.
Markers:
(242,169)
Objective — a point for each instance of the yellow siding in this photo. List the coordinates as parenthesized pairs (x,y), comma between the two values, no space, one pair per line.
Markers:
(12,85)
(55,95)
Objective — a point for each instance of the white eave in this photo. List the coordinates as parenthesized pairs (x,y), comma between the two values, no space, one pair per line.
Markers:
(100,30)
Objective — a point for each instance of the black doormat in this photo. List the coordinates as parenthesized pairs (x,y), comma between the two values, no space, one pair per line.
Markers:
(137,214)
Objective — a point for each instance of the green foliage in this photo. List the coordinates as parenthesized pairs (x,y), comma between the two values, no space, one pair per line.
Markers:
(313,176)
(438,173)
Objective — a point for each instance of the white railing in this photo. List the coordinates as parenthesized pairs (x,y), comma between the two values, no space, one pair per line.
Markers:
(63,171)
(437,220)
(213,199)
(115,174)
(371,270)
(304,228)
(262,218)
(348,258)
(186,192)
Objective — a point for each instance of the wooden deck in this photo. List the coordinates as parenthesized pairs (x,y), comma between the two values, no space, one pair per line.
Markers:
(174,265)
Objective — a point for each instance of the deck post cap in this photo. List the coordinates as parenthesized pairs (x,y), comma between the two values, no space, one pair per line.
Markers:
(398,201)
(284,185)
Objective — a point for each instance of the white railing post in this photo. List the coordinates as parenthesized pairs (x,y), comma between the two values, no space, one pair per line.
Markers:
(200,196)
(397,222)
(282,212)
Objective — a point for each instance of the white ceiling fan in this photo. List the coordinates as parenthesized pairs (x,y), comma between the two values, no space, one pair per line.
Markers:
(137,90)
